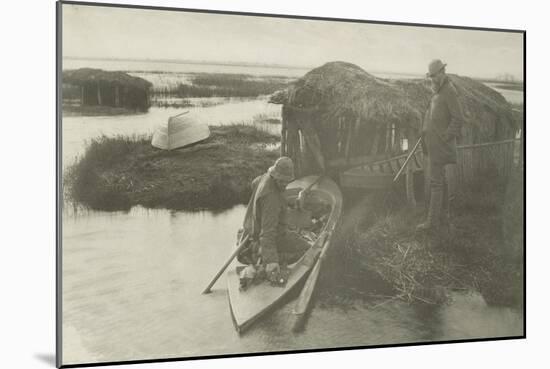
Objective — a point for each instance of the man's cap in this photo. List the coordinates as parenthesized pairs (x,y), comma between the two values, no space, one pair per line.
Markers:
(283,169)
(435,66)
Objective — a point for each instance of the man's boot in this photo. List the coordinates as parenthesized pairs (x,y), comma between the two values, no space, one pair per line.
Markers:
(434,211)
(446,210)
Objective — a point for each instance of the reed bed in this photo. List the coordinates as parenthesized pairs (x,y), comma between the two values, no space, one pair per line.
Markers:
(116,173)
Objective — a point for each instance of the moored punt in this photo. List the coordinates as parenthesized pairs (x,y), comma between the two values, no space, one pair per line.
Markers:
(250,305)
(180,131)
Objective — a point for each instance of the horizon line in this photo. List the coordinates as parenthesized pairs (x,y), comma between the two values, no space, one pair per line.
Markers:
(272,65)
(191,61)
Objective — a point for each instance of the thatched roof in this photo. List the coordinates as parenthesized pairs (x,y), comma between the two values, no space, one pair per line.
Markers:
(86,75)
(339,89)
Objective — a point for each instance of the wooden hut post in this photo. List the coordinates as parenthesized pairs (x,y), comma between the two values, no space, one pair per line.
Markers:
(283,132)
(521,148)
(409,173)
(374,147)
(293,146)
(387,149)
(297,152)
(98,94)
(339,135)
(316,161)
(117,96)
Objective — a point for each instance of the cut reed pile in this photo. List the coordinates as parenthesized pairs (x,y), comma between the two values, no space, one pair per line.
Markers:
(482,252)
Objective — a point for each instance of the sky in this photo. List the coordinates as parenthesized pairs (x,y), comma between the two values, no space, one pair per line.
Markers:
(106,32)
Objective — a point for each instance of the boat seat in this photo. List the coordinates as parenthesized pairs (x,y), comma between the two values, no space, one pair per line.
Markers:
(296,218)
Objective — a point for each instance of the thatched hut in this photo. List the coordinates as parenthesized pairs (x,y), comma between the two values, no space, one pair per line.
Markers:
(96,87)
(338,115)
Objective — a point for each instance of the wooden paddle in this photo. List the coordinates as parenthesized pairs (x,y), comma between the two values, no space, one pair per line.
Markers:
(233,255)
(302,194)
(301,307)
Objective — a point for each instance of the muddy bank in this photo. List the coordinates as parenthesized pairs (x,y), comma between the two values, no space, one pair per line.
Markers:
(116,173)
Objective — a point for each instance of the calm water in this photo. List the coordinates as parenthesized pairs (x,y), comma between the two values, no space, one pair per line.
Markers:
(132,287)
(132,280)
(515,97)
(78,130)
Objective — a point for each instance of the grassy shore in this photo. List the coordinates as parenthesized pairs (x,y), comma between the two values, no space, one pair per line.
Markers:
(510,86)
(381,257)
(116,173)
(224,85)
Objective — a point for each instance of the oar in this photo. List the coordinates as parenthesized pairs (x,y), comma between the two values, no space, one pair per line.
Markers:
(235,253)
(304,191)
(408,159)
(301,307)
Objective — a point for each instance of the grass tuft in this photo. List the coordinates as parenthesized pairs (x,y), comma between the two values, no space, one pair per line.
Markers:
(116,173)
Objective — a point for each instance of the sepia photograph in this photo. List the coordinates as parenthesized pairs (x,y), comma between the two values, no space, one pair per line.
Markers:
(238,184)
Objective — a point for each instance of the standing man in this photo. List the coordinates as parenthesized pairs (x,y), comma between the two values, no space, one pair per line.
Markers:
(264,218)
(440,130)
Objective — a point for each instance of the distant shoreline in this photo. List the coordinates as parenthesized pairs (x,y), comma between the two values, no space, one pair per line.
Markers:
(183,61)
(505,84)
(514,86)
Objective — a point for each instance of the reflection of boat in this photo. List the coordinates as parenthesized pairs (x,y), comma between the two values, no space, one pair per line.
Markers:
(324,201)
(180,131)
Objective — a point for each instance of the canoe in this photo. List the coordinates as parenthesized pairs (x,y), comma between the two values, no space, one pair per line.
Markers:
(253,303)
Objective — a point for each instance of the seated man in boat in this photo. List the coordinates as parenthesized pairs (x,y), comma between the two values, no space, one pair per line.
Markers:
(264,222)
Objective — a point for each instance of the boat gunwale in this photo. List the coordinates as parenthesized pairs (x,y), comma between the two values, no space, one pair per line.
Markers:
(334,215)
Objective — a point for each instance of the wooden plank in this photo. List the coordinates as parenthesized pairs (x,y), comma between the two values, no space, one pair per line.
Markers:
(283,135)
(510,161)
(348,140)
(365,180)
(472,160)
(459,166)
(484,144)
(466,167)
(409,174)
(313,145)
(355,161)
(387,148)
(374,148)
(339,135)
